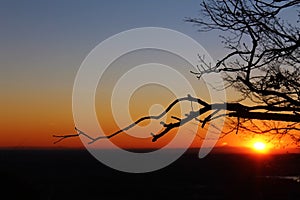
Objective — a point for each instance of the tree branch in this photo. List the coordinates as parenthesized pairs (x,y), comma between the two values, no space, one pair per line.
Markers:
(233,110)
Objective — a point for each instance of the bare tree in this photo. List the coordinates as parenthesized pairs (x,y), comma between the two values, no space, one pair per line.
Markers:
(263,59)
(263,65)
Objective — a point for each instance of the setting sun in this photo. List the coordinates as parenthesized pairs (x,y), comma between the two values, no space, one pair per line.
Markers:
(259,146)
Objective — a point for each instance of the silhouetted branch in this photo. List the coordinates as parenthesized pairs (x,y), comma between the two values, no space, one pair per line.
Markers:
(62,137)
(263,62)
(232,110)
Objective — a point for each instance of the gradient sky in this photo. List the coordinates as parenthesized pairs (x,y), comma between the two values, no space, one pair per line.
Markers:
(43,44)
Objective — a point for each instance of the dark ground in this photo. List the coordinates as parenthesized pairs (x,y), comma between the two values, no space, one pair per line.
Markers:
(74,174)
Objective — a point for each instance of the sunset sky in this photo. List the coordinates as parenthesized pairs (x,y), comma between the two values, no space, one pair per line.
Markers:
(43,44)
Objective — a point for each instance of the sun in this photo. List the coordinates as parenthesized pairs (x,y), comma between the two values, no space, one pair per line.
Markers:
(259,146)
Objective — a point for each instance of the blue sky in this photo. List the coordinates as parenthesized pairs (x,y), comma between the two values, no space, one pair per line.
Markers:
(42,37)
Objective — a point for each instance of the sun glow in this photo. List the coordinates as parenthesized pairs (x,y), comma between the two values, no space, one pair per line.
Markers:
(259,146)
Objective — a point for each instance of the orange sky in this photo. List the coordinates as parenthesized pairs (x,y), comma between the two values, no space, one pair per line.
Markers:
(30,118)
(31,115)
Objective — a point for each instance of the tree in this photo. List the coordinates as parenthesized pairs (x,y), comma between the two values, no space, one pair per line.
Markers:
(263,59)
(263,65)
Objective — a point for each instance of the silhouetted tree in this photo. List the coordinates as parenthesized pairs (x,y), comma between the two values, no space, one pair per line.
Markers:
(263,59)
(263,65)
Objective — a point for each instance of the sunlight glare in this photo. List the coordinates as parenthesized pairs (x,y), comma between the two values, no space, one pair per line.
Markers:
(259,146)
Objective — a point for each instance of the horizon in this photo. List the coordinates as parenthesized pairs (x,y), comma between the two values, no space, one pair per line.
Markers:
(194,150)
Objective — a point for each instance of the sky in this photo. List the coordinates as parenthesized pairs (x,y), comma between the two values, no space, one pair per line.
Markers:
(43,44)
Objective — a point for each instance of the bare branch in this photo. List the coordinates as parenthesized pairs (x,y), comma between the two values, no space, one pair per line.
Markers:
(233,110)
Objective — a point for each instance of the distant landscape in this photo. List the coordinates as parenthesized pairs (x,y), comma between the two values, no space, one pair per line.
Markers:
(75,174)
